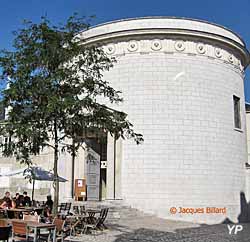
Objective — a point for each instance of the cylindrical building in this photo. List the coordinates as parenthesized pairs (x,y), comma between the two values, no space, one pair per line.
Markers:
(183,88)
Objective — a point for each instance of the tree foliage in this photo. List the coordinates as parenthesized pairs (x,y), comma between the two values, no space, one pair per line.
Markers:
(55,84)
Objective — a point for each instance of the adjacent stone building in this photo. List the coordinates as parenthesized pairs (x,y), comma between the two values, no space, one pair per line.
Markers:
(183,86)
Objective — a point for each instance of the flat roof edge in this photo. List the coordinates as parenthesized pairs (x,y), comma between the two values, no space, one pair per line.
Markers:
(168,17)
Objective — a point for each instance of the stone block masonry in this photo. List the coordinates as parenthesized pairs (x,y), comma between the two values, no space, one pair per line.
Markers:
(178,78)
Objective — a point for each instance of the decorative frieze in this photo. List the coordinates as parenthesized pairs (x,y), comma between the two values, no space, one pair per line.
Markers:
(174,46)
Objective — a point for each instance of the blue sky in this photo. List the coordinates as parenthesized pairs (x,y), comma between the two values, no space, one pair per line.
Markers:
(230,13)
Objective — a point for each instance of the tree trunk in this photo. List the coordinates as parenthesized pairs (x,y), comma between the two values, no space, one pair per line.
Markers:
(33,190)
(73,170)
(73,176)
(56,181)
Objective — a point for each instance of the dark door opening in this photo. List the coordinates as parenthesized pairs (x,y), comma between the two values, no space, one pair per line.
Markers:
(100,147)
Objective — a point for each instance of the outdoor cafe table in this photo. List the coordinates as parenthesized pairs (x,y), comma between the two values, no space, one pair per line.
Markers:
(91,214)
(31,209)
(37,227)
(17,211)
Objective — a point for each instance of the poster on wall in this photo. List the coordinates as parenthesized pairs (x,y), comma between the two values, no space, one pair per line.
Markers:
(79,183)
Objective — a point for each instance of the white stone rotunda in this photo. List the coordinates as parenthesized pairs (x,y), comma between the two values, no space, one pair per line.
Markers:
(183,86)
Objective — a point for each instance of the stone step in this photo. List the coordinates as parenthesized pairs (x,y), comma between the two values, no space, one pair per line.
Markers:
(127,213)
(117,209)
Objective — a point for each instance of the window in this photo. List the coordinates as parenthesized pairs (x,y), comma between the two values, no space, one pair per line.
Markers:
(237,121)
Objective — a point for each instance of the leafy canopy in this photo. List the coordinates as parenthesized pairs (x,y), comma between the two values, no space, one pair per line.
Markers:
(54,83)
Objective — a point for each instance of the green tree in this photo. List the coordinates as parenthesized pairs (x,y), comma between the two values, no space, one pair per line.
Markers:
(54,84)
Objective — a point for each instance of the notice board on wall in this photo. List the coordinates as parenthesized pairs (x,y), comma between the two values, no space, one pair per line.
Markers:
(80,189)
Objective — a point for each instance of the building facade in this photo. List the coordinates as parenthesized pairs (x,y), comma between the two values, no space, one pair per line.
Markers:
(182,81)
(183,88)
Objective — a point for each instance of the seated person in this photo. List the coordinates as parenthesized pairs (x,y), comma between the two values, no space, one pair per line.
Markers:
(7,202)
(26,200)
(19,200)
(48,207)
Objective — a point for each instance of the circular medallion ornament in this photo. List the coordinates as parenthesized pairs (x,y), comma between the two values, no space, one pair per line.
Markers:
(218,52)
(156,45)
(179,45)
(231,58)
(110,49)
(201,48)
(132,46)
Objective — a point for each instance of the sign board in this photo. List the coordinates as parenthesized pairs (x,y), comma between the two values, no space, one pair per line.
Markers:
(80,189)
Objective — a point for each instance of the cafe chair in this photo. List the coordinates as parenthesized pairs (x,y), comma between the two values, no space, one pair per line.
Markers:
(61,210)
(76,210)
(82,210)
(20,232)
(3,214)
(61,231)
(5,233)
(76,221)
(61,207)
(98,223)
(3,223)
(103,216)
(64,210)
(90,227)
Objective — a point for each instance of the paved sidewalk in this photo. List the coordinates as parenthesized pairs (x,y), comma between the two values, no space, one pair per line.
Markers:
(152,229)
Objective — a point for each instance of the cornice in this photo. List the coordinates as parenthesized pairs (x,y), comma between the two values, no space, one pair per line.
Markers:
(167,28)
(224,42)
(234,35)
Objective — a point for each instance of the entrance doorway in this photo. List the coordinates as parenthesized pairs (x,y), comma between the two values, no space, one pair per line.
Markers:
(96,174)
